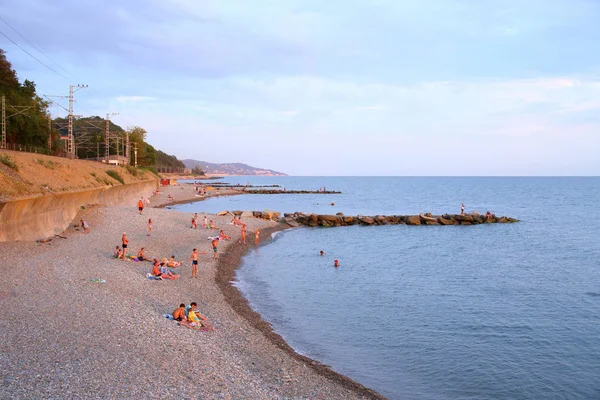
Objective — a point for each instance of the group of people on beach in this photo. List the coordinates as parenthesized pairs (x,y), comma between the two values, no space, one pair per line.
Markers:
(191,317)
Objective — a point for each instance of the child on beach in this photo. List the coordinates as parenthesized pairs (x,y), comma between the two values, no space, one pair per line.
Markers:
(256,235)
(156,270)
(179,313)
(165,273)
(149,226)
(125,243)
(204,224)
(215,243)
(194,224)
(223,236)
(118,252)
(211,225)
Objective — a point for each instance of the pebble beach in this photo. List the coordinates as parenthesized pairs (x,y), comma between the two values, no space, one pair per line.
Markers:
(68,335)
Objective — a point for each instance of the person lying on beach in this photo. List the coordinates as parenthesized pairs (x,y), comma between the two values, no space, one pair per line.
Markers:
(118,252)
(211,225)
(141,256)
(172,263)
(196,319)
(179,313)
(223,236)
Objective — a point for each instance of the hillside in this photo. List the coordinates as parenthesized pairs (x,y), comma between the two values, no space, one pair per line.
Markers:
(230,169)
(29,174)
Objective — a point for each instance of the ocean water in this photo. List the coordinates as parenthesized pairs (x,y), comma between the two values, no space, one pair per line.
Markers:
(503,311)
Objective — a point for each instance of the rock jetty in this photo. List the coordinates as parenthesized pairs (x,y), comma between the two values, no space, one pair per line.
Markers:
(279,191)
(303,219)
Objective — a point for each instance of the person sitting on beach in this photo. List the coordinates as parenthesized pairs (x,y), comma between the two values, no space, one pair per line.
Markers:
(165,273)
(172,263)
(85,226)
(211,225)
(179,313)
(223,235)
(156,270)
(141,256)
(118,252)
(196,319)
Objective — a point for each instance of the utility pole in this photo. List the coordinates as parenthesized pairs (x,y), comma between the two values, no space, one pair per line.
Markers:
(49,131)
(135,154)
(3,142)
(70,141)
(127,156)
(107,135)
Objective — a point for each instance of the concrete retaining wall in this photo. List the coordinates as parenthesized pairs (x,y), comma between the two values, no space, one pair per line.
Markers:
(42,217)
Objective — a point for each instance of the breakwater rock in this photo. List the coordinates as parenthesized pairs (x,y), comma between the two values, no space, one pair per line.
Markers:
(279,191)
(298,218)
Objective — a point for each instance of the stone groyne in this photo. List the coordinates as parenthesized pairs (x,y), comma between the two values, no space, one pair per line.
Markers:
(44,216)
(299,218)
(339,219)
(279,191)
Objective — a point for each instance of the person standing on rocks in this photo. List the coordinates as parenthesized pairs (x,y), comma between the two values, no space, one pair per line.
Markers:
(462,209)
(125,243)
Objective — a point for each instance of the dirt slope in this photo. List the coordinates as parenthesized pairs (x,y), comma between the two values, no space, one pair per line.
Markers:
(36,175)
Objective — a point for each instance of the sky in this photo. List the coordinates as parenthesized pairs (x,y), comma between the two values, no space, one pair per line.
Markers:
(373,87)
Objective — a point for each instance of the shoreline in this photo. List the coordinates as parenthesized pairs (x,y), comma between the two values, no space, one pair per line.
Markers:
(227,267)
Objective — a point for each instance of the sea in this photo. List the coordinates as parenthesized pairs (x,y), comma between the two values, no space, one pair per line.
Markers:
(496,311)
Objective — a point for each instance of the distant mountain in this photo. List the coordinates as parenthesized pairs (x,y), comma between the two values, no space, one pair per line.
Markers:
(230,169)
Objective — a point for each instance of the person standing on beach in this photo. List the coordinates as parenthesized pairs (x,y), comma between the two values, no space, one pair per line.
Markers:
(125,243)
(215,243)
(256,236)
(462,209)
(194,260)
(205,222)
(243,239)
(149,226)
(141,205)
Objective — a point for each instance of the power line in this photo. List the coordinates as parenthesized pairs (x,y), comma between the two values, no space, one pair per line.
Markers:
(35,47)
(34,57)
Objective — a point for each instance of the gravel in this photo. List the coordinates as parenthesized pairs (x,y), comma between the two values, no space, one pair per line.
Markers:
(67,337)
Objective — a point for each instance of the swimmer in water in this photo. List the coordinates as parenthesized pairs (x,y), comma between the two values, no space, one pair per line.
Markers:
(322,253)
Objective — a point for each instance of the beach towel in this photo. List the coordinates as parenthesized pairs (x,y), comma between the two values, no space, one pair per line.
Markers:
(153,278)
